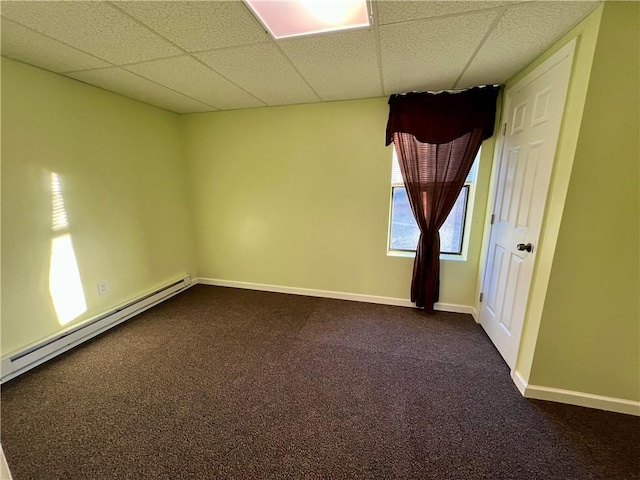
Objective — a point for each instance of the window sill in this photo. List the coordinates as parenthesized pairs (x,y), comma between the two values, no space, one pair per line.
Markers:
(444,256)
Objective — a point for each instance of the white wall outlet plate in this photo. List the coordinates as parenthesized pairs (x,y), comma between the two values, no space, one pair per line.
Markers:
(103,287)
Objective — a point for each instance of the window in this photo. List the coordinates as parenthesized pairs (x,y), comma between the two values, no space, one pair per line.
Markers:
(404,231)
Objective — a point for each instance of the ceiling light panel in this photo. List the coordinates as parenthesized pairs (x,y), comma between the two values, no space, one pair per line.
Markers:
(295,18)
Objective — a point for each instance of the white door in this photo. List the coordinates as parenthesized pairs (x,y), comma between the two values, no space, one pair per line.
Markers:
(533,112)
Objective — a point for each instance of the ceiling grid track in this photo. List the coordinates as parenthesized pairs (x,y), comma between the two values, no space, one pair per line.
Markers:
(282,52)
(185,53)
(304,79)
(293,65)
(454,15)
(61,42)
(230,47)
(110,65)
(376,34)
(124,65)
(159,84)
(490,30)
(231,61)
(145,79)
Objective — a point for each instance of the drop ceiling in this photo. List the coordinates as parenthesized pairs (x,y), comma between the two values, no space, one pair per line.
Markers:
(199,56)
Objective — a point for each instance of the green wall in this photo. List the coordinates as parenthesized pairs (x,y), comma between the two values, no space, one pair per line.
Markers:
(589,338)
(304,203)
(123,214)
(299,196)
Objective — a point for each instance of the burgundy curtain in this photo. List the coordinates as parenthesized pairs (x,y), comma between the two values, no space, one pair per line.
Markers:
(436,137)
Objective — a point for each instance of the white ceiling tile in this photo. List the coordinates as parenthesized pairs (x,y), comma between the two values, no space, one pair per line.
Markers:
(94,27)
(430,54)
(424,45)
(186,75)
(199,25)
(262,70)
(130,85)
(523,33)
(394,11)
(36,49)
(338,66)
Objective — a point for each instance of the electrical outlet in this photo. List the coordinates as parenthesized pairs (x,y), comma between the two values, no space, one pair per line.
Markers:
(103,287)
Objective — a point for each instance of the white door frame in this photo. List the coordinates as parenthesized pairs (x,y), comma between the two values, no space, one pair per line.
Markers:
(563,53)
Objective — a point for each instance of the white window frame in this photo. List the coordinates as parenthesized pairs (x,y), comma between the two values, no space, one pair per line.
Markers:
(470,182)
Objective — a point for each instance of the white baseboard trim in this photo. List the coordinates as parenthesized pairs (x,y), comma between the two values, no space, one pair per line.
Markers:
(454,308)
(23,360)
(311,292)
(582,399)
(520,382)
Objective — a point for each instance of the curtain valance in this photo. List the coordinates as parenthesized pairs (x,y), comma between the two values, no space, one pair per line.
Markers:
(442,117)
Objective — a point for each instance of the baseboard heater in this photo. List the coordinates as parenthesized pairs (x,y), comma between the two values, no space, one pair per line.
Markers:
(19,362)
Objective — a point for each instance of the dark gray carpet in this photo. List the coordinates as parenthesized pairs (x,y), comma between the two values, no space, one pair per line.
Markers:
(227,383)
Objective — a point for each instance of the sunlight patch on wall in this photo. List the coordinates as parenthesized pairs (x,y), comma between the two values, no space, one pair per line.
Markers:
(58,212)
(65,284)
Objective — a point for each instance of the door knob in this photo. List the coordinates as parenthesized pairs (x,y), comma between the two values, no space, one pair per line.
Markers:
(525,247)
